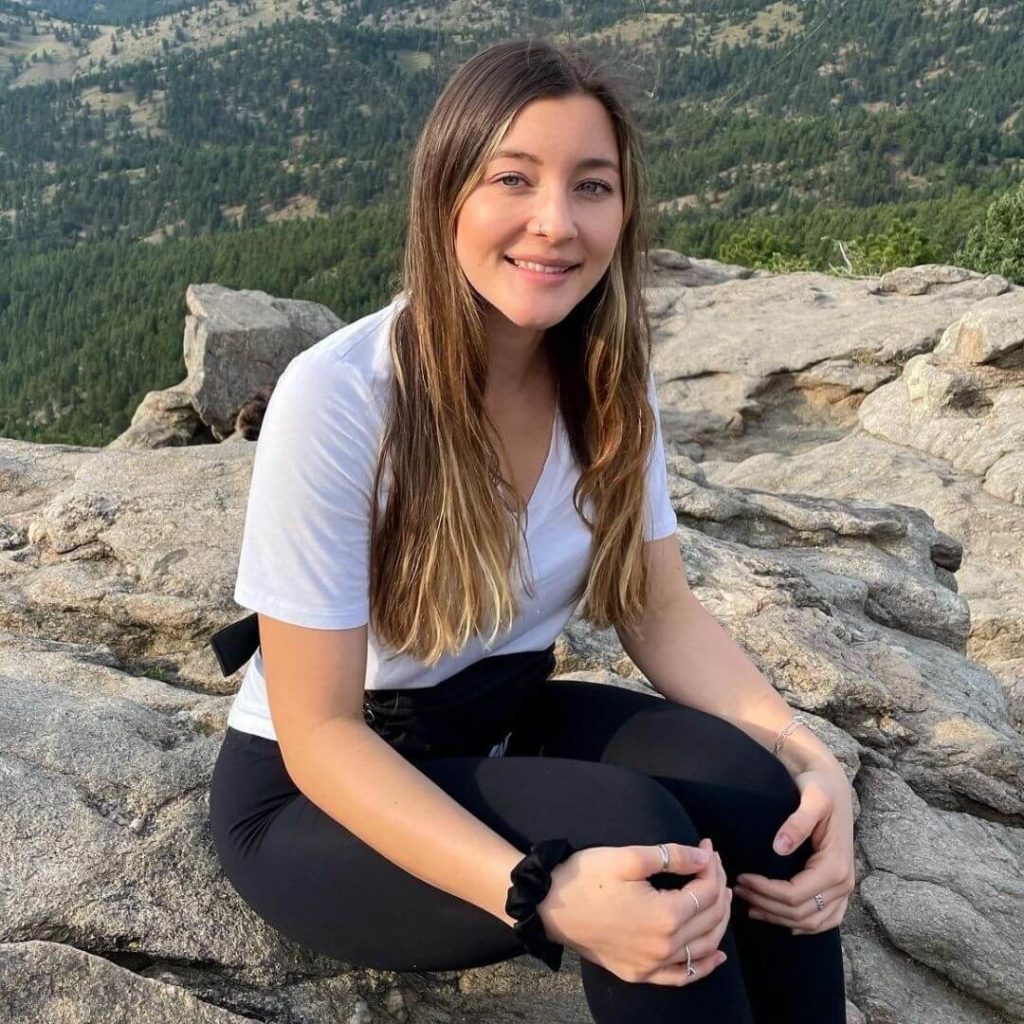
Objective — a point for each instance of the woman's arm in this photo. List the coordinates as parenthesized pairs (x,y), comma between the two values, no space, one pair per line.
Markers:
(691,659)
(315,683)
(353,775)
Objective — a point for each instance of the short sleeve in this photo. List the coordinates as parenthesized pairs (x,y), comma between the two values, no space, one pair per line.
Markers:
(305,545)
(661,517)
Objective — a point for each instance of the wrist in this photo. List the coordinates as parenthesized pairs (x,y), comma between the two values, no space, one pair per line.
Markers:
(549,907)
(531,885)
(800,750)
(807,759)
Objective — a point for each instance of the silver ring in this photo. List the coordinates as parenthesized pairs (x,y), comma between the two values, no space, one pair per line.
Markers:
(693,896)
(819,901)
(690,970)
(664,856)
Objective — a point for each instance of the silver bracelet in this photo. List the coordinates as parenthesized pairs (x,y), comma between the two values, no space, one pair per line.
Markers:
(786,730)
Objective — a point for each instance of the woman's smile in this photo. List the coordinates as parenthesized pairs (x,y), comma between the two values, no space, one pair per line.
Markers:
(538,274)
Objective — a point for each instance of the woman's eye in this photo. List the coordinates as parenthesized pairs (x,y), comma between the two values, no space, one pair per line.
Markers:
(600,184)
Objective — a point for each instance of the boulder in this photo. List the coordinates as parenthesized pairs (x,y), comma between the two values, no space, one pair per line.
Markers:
(964,401)
(164,419)
(236,345)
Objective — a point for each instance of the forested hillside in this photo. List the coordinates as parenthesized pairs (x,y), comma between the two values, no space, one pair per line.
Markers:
(774,131)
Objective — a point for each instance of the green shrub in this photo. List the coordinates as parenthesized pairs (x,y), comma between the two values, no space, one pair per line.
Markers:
(762,250)
(996,245)
(900,245)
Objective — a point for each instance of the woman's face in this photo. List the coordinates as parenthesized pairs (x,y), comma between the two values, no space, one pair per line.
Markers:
(559,206)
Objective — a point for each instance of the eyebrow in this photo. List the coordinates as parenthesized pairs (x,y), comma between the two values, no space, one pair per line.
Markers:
(586,162)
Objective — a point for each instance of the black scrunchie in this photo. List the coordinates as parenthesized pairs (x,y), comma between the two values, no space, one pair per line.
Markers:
(531,879)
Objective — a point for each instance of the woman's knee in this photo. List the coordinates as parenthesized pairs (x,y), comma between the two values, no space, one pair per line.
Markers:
(674,740)
(764,795)
(623,807)
(746,760)
(736,790)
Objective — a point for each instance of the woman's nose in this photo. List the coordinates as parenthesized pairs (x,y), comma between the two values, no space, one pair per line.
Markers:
(553,215)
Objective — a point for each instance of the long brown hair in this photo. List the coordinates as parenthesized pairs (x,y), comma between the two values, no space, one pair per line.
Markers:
(444,546)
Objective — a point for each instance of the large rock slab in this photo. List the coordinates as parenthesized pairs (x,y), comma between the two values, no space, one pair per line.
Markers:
(773,361)
(108,874)
(51,983)
(849,607)
(991,578)
(964,402)
(946,889)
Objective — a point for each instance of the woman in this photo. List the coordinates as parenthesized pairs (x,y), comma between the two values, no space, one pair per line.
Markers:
(415,792)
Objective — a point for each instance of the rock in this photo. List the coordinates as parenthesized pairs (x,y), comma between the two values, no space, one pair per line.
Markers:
(56,983)
(958,404)
(667,268)
(137,551)
(986,336)
(840,380)
(874,577)
(991,578)
(893,988)
(946,888)
(780,362)
(163,419)
(920,280)
(237,341)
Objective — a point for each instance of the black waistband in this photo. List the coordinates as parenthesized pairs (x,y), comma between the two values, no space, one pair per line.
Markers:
(235,644)
(467,714)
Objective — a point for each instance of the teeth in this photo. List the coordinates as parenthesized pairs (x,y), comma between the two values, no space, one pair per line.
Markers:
(538,266)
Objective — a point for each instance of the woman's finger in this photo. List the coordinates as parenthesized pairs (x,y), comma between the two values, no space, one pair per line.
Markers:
(712,915)
(676,974)
(792,914)
(707,891)
(824,873)
(832,920)
(815,806)
(802,915)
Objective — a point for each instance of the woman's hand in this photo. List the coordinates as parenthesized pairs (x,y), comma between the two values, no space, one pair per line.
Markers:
(602,904)
(826,815)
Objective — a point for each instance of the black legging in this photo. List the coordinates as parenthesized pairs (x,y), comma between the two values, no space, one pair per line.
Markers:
(598,764)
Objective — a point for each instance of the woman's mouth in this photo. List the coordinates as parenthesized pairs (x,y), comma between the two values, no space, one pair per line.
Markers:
(539,273)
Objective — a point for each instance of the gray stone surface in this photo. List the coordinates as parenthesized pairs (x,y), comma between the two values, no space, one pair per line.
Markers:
(236,341)
(869,567)
(946,889)
(164,419)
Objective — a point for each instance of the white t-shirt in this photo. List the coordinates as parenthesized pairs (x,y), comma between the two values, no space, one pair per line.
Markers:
(305,546)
